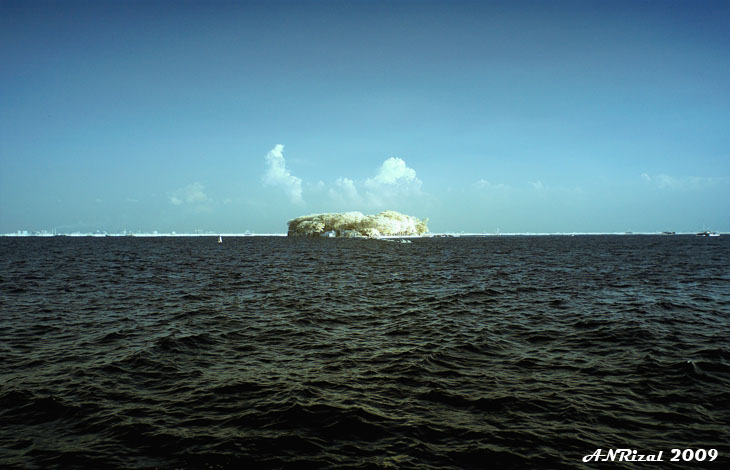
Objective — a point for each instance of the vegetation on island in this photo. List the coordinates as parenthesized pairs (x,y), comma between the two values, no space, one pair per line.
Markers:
(356,224)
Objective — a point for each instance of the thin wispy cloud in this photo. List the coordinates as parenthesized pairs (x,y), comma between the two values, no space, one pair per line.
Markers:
(526,191)
(194,193)
(683,183)
(279,176)
(485,185)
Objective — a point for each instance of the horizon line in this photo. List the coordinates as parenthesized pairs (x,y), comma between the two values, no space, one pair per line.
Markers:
(21,234)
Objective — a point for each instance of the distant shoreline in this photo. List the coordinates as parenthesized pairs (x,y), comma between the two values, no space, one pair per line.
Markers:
(430,235)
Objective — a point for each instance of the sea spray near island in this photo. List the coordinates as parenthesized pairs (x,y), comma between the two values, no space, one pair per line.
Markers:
(447,353)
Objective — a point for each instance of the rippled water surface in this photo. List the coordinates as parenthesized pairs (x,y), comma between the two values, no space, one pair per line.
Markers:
(496,352)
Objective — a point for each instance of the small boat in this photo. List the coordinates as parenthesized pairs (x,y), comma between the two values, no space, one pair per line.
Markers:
(707,233)
(220,239)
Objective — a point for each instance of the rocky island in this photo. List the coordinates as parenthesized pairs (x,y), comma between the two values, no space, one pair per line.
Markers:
(355,224)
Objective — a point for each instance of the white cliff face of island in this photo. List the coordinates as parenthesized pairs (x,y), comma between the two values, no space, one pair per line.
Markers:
(355,224)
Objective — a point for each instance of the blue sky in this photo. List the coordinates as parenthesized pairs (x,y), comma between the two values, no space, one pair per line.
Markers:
(231,116)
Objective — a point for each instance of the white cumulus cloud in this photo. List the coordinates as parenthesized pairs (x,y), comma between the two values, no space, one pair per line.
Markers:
(191,194)
(394,180)
(278,175)
(345,191)
(394,171)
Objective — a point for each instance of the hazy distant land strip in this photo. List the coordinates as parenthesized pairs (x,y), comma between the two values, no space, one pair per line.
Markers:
(282,234)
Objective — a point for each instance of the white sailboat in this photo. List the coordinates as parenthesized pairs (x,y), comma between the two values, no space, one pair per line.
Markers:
(220,239)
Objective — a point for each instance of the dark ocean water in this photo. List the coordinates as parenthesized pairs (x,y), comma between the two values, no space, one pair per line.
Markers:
(462,353)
